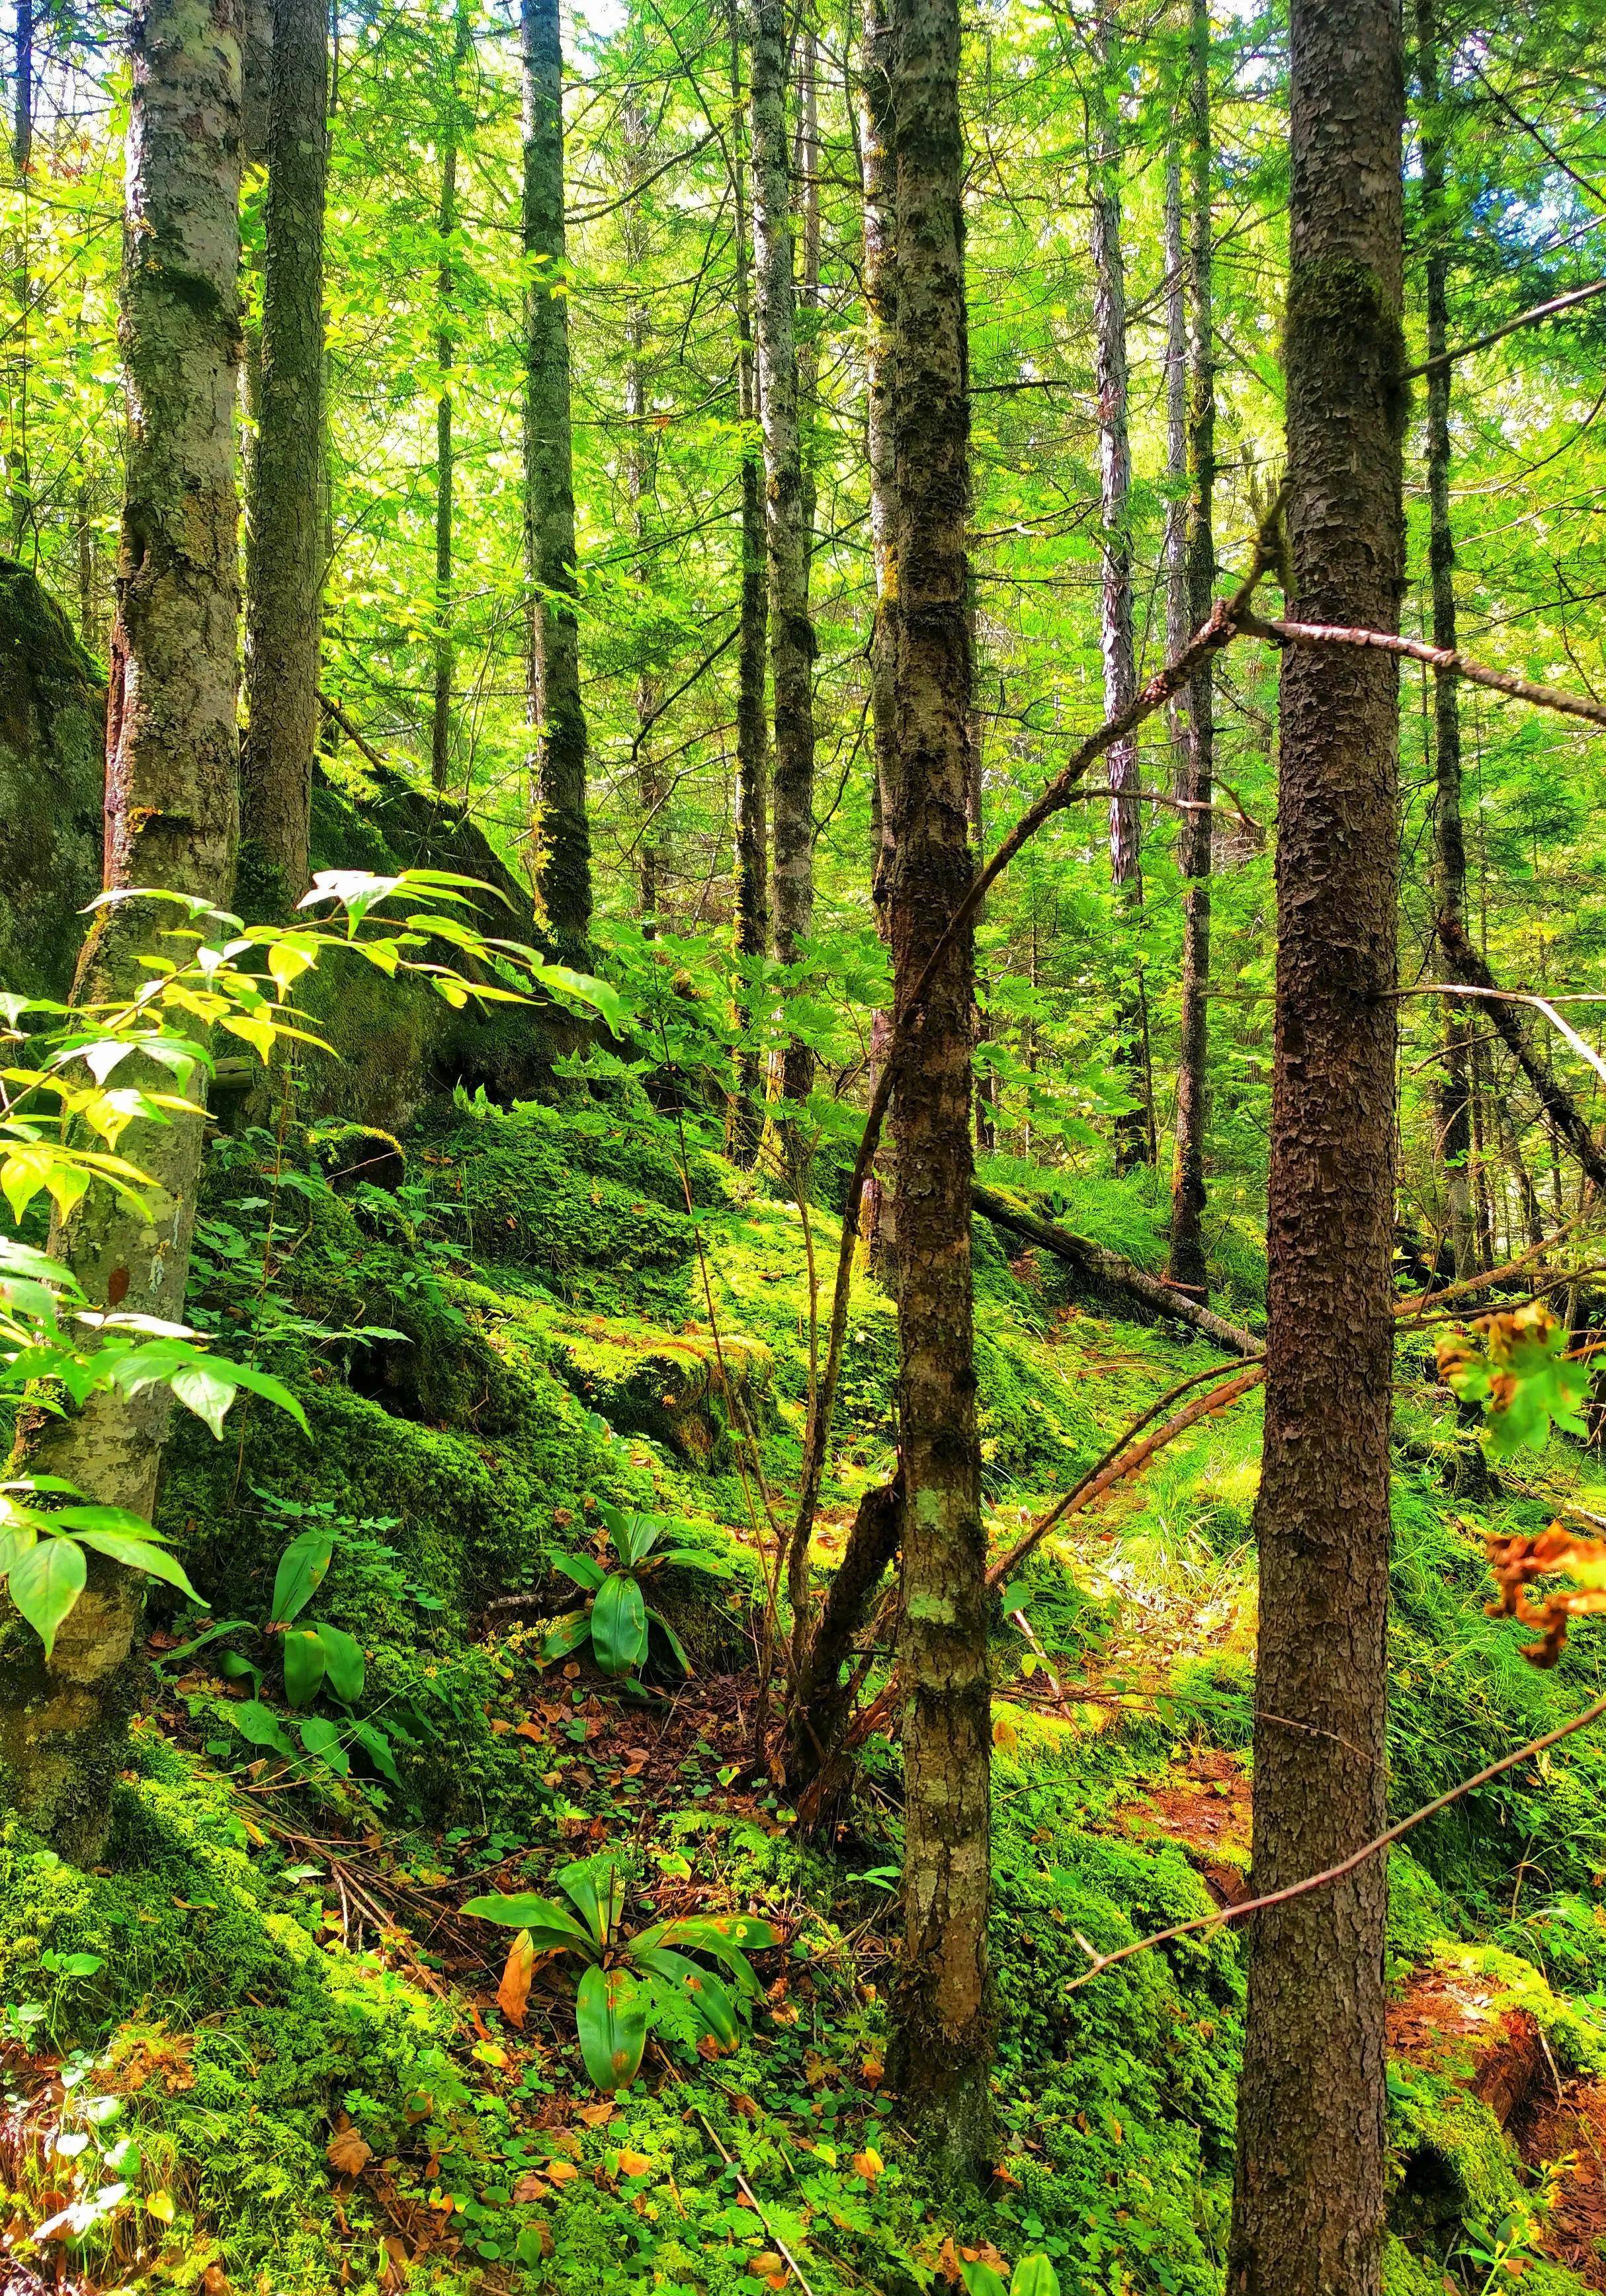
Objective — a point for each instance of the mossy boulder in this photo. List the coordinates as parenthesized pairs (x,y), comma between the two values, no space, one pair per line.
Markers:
(52,727)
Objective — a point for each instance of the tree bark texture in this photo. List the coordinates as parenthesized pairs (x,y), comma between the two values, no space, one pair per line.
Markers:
(171,821)
(1196,720)
(1134,1127)
(942,2005)
(791,631)
(284,539)
(1450,852)
(1308,2203)
(555,710)
(638,461)
(752,718)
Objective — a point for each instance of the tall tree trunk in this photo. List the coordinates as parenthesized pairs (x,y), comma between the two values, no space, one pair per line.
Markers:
(791,631)
(19,482)
(1134,1129)
(1177,632)
(284,554)
(23,88)
(171,821)
(879,1217)
(555,710)
(1308,2203)
(1450,852)
(1197,718)
(637,466)
(752,725)
(943,2007)
(445,351)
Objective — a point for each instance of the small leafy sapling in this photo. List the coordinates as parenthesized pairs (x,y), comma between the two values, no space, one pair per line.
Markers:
(618,1620)
(629,1985)
(1515,1364)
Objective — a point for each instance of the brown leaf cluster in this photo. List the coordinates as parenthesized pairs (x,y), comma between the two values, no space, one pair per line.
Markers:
(1517,1563)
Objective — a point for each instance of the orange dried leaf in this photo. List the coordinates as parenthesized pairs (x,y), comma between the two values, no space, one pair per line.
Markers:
(513,1993)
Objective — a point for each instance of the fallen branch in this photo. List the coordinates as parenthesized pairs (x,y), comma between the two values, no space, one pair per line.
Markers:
(332,709)
(1345,1866)
(1562,1111)
(1439,658)
(1109,1267)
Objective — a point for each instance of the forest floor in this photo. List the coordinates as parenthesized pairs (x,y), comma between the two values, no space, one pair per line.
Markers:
(264,2046)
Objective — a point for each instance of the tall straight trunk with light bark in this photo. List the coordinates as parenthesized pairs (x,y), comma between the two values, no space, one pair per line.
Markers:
(284,552)
(170,822)
(791,631)
(555,710)
(942,2011)
(19,483)
(1308,2203)
(445,351)
(752,721)
(1450,852)
(879,1217)
(1196,718)
(1134,1129)
(637,475)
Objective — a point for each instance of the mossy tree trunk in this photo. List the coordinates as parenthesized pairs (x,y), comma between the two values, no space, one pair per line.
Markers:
(1308,2203)
(1196,718)
(446,352)
(791,631)
(284,553)
(171,821)
(555,709)
(942,2010)
(752,721)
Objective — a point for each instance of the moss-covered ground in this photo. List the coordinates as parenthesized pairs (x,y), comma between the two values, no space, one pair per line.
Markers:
(263,2048)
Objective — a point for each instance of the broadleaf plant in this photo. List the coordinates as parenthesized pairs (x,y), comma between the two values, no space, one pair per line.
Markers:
(618,1620)
(631,1984)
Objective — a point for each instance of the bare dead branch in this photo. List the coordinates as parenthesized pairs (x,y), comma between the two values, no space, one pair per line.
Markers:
(1439,658)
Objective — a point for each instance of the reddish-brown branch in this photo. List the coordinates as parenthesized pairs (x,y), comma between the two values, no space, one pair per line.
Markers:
(1439,658)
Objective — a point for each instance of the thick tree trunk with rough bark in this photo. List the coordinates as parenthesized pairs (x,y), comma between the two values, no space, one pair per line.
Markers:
(1450,888)
(285,541)
(942,2011)
(752,718)
(1134,1129)
(1196,719)
(445,351)
(171,821)
(791,631)
(555,709)
(1308,2204)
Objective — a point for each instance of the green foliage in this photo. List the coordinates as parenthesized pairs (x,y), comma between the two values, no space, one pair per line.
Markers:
(617,1618)
(1516,1366)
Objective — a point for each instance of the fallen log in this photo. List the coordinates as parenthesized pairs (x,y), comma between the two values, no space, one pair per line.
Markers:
(1102,1266)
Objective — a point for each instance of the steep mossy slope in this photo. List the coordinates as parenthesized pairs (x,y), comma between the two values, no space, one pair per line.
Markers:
(505,1322)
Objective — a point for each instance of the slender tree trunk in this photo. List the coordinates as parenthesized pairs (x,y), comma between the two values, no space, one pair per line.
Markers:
(791,632)
(171,821)
(23,88)
(1450,889)
(19,479)
(1134,1129)
(445,351)
(879,1217)
(1177,632)
(1197,720)
(285,557)
(752,723)
(1308,2203)
(638,467)
(942,2053)
(555,710)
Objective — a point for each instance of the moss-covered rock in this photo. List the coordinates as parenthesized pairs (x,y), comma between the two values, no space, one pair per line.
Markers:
(53,732)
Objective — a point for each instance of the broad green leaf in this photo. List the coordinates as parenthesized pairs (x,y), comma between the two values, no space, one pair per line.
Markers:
(549,1923)
(600,1898)
(611,2012)
(708,1997)
(981,2280)
(692,1558)
(619,1625)
(344,1662)
(299,1574)
(582,1569)
(671,1638)
(45,1581)
(322,1738)
(139,1555)
(1034,2276)
(259,1725)
(304,1664)
(568,1634)
(202,1388)
(375,1744)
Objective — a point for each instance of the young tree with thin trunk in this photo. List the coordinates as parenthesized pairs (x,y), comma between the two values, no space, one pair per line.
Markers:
(171,821)
(752,720)
(1308,2203)
(446,352)
(555,710)
(1134,1129)
(638,476)
(791,631)
(942,2008)
(285,541)
(1450,852)
(1196,716)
